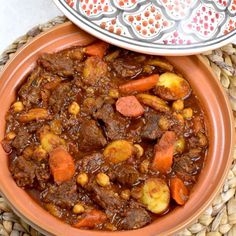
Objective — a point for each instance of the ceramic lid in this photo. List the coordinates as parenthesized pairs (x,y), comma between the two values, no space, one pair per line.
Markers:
(164,27)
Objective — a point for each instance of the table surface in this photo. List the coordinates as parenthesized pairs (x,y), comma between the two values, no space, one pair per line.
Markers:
(19,16)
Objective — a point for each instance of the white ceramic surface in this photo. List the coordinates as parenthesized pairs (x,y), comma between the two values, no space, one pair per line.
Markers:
(163,27)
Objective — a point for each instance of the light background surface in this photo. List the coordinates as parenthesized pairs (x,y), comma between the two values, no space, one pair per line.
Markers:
(19,16)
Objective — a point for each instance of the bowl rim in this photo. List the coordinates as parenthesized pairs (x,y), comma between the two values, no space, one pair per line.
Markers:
(124,233)
(165,50)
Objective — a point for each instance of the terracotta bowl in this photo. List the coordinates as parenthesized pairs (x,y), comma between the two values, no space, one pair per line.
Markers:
(217,113)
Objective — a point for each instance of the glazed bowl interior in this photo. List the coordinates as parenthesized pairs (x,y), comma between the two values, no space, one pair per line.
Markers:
(217,114)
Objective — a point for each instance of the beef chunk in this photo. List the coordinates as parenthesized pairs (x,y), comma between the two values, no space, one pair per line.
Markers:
(42,173)
(186,168)
(107,198)
(91,163)
(23,171)
(135,218)
(94,70)
(57,64)
(115,124)
(151,130)
(59,96)
(184,164)
(126,174)
(91,136)
(126,68)
(63,195)
(34,95)
(21,140)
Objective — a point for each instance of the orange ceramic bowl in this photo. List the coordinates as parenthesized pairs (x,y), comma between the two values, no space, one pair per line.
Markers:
(217,114)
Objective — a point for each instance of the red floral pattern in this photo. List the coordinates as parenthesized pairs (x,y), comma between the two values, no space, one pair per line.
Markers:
(174,22)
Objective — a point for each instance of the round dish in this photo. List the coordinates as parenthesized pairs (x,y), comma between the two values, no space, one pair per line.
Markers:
(156,27)
(217,111)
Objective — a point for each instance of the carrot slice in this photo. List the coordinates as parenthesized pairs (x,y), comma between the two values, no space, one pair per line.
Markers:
(164,152)
(179,191)
(91,219)
(129,106)
(140,85)
(61,165)
(97,49)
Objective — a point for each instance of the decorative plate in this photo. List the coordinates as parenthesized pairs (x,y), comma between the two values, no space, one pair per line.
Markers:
(164,27)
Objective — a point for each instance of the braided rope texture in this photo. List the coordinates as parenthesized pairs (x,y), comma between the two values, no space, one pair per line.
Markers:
(220,217)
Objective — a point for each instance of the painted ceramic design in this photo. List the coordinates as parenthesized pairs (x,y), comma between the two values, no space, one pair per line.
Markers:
(156,26)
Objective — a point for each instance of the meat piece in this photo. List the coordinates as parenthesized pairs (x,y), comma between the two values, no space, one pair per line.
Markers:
(34,95)
(151,130)
(126,68)
(126,174)
(135,218)
(34,126)
(94,70)
(91,136)
(115,124)
(184,164)
(108,199)
(34,76)
(57,63)
(21,140)
(64,195)
(42,173)
(59,96)
(186,168)
(23,171)
(91,163)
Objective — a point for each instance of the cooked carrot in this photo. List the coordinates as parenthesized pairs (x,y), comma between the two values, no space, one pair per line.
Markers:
(164,152)
(179,192)
(91,219)
(97,49)
(140,85)
(61,165)
(129,106)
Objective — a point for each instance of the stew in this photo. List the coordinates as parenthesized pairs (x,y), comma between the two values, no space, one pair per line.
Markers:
(104,138)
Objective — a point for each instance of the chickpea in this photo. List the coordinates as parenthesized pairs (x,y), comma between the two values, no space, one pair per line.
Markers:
(78,209)
(178,105)
(125,194)
(187,113)
(56,127)
(103,179)
(90,90)
(110,226)
(179,117)
(40,153)
(18,106)
(28,152)
(202,139)
(180,145)
(139,150)
(148,69)
(136,192)
(82,179)
(10,135)
(74,108)
(114,93)
(144,166)
(164,123)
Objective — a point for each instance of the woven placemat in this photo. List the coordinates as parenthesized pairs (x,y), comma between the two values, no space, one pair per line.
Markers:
(220,217)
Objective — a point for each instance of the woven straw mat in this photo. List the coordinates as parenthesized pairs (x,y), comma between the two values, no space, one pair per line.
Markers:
(220,217)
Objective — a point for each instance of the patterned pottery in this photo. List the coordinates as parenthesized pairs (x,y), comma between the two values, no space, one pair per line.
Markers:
(164,27)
